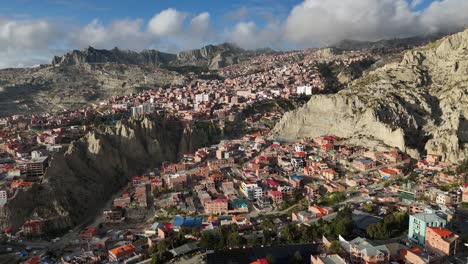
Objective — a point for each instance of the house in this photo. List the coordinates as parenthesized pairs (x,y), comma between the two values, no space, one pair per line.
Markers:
(465,193)
(363,164)
(251,190)
(441,240)
(217,206)
(361,250)
(388,173)
(320,211)
(329,174)
(416,255)
(302,216)
(276,197)
(327,259)
(296,181)
(88,233)
(418,224)
(121,253)
(33,228)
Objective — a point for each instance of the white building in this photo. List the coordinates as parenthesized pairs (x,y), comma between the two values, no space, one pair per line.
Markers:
(251,190)
(3,197)
(142,109)
(305,89)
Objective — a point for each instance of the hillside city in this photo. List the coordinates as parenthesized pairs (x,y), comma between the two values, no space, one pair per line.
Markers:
(318,200)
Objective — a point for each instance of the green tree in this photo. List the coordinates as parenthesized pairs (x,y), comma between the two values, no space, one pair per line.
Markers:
(271,259)
(334,248)
(296,258)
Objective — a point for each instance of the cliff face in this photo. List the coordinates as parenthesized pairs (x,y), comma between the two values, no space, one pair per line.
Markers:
(91,55)
(80,181)
(211,56)
(419,104)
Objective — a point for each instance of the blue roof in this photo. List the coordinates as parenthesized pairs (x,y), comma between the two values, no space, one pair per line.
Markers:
(187,221)
(296,177)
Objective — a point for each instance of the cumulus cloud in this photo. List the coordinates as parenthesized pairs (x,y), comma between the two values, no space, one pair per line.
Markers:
(311,23)
(125,33)
(26,34)
(168,22)
(316,22)
(200,25)
(248,35)
(27,42)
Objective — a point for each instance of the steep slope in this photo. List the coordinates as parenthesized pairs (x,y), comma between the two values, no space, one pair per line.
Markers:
(210,56)
(50,88)
(92,55)
(79,182)
(419,104)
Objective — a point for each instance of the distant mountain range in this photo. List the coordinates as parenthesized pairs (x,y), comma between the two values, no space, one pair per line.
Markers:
(210,56)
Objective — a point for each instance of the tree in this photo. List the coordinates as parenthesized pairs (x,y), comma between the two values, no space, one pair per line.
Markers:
(271,259)
(235,240)
(210,240)
(296,258)
(334,248)
(290,233)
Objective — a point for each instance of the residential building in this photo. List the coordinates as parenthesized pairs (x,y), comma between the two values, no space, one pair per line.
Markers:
(34,167)
(361,250)
(441,240)
(3,197)
(276,197)
(465,193)
(217,206)
(418,224)
(121,253)
(363,164)
(32,228)
(251,190)
(328,259)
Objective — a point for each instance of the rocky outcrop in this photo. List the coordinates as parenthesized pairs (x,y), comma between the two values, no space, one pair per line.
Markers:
(419,104)
(211,56)
(92,55)
(78,182)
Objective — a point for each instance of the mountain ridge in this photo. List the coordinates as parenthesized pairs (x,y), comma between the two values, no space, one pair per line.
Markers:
(418,104)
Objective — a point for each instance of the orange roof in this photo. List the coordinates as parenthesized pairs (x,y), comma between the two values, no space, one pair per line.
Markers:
(388,171)
(122,249)
(16,183)
(440,231)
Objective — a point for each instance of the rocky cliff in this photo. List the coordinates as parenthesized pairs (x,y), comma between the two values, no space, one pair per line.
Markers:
(210,56)
(81,180)
(92,55)
(418,104)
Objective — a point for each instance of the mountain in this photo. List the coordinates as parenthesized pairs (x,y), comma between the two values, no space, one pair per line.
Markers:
(385,44)
(92,55)
(418,104)
(78,182)
(210,56)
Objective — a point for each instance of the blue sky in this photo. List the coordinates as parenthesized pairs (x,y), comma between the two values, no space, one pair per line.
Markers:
(32,31)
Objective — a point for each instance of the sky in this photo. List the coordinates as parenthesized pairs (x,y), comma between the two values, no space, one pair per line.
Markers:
(33,31)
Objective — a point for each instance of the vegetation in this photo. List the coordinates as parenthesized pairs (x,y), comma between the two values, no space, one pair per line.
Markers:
(226,236)
(393,225)
(332,199)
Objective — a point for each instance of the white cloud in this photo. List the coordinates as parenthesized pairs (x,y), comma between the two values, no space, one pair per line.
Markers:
(25,42)
(316,22)
(26,34)
(200,25)
(125,33)
(168,22)
(248,35)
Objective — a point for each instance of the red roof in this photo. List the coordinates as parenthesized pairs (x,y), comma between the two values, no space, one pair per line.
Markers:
(122,249)
(440,231)
(272,182)
(275,193)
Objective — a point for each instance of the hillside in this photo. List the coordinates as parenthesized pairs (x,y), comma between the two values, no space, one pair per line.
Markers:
(418,104)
